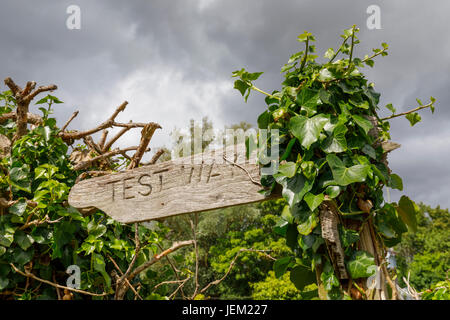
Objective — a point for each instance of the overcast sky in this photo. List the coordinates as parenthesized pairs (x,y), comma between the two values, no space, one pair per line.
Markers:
(172,60)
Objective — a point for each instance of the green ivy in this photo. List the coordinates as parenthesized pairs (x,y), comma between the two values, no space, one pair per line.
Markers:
(328,153)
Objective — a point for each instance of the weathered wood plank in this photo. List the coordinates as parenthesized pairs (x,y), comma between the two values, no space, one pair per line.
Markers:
(186,185)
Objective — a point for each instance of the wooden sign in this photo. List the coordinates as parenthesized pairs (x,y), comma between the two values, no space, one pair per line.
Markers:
(207,181)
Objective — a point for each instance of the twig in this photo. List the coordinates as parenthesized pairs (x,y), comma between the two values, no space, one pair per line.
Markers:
(107,124)
(114,139)
(84,164)
(31,118)
(155,157)
(13,86)
(126,280)
(248,173)
(263,92)
(70,120)
(216,282)
(158,257)
(146,136)
(33,94)
(102,141)
(179,287)
(194,232)
(408,112)
(30,275)
(374,55)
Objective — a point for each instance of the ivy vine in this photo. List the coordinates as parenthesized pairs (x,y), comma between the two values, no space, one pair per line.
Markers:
(333,148)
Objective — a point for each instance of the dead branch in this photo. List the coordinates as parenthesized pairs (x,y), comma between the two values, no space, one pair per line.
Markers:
(70,120)
(194,232)
(13,86)
(4,203)
(216,282)
(126,280)
(32,276)
(158,257)
(40,90)
(114,139)
(180,287)
(31,118)
(85,164)
(67,136)
(121,289)
(146,136)
(102,141)
(23,99)
(155,157)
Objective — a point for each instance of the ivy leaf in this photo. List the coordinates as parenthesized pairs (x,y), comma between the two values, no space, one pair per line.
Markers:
(348,237)
(329,53)
(23,240)
(241,86)
(391,108)
(344,176)
(361,265)
(333,191)
(407,212)
(307,130)
(99,265)
(264,120)
(288,169)
(280,266)
(302,276)
(336,143)
(413,118)
(308,99)
(314,201)
(365,124)
(395,182)
(370,151)
(19,208)
(306,227)
(295,188)
(19,178)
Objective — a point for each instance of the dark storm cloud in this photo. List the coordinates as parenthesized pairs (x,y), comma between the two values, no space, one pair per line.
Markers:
(173,60)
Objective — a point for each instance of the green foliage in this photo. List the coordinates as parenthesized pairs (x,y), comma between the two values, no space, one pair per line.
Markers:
(425,254)
(325,113)
(40,232)
(281,288)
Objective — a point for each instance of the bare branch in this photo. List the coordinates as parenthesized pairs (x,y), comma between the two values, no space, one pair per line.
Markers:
(146,136)
(194,233)
(39,90)
(28,88)
(114,139)
(158,257)
(31,118)
(70,120)
(107,124)
(85,164)
(155,157)
(13,86)
(102,141)
(32,276)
